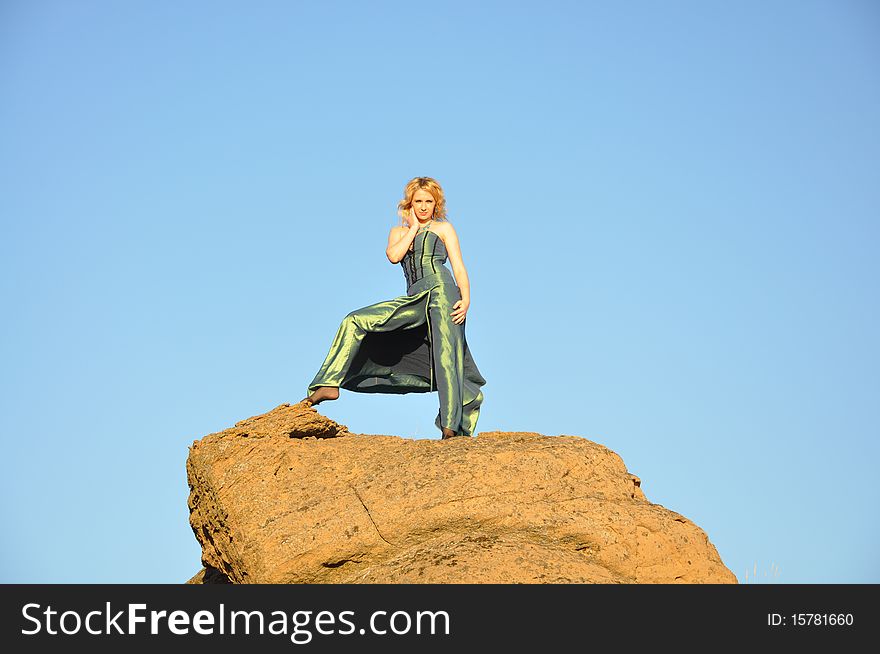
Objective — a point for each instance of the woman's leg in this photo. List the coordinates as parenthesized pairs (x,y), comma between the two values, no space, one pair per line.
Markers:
(457,377)
(382,316)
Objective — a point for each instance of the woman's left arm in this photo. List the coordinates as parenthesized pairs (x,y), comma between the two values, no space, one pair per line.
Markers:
(453,249)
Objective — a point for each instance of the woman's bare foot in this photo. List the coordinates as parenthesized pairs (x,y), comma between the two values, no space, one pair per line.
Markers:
(322,393)
(447,433)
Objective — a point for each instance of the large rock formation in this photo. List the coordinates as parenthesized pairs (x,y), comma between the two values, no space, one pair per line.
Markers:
(293,497)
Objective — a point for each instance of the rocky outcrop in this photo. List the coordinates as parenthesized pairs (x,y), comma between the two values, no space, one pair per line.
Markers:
(293,497)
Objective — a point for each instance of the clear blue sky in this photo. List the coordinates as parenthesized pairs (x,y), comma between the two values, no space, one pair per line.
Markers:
(668,212)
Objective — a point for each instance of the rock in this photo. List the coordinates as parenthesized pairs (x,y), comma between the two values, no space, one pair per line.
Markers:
(209,576)
(292,497)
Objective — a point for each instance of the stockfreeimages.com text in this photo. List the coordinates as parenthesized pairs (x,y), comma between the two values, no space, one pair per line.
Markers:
(299,624)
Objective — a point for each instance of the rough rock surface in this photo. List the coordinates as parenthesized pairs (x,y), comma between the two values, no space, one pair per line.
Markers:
(293,497)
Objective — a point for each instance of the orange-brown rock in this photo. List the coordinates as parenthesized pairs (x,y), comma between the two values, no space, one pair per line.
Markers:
(293,497)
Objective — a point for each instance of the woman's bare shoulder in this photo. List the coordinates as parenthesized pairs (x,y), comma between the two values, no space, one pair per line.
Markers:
(446,228)
(443,229)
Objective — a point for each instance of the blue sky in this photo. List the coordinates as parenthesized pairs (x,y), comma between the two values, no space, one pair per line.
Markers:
(668,213)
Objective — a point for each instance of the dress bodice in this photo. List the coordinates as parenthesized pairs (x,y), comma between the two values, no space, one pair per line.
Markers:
(425,256)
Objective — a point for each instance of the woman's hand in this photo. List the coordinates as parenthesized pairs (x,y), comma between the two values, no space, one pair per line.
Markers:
(459,311)
(411,219)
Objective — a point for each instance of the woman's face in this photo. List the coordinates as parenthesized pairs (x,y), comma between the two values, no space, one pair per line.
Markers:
(423,203)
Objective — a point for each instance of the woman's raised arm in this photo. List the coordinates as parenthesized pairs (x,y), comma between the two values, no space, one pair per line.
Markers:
(399,241)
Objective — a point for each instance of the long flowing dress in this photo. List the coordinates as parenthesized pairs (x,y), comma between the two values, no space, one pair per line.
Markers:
(410,344)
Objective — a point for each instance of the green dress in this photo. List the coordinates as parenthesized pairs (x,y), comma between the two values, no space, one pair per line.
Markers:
(410,344)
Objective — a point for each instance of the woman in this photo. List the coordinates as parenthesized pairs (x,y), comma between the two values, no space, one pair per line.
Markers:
(414,343)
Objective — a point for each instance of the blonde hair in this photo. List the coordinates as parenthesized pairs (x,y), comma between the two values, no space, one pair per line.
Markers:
(428,184)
